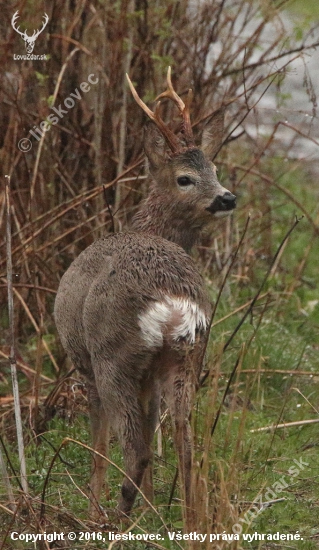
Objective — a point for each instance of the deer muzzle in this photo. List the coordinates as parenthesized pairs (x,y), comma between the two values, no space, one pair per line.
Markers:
(223,203)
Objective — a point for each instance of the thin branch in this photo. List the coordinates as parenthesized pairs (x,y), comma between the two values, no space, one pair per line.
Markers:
(109,209)
(25,367)
(279,371)
(33,287)
(259,63)
(285,425)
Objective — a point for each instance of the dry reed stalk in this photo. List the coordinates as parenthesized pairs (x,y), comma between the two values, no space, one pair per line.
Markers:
(13,359)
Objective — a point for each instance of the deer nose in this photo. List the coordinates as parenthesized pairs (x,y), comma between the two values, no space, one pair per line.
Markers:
(227,201)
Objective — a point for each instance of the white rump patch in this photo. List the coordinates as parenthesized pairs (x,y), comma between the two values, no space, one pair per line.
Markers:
(172,317)
(152,322)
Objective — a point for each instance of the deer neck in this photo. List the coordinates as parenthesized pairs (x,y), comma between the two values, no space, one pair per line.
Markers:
(160,215)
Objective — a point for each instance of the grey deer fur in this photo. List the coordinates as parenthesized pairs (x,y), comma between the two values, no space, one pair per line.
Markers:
(132,311)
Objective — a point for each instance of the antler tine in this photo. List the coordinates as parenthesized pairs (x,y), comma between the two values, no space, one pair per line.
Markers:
(184,108)
(171,94)
(155,117)
(138,100)
(188,131)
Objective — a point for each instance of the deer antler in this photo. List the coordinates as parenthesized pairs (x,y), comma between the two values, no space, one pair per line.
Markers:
(170,137)
(170,93)
(184,108)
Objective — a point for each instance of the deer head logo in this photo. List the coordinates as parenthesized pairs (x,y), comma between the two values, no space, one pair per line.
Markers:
(29,40)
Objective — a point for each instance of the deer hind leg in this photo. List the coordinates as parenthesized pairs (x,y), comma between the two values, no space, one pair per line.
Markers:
(120,394)
(150,399)
(136,450)
(179,395)
(99,426)
(100,438)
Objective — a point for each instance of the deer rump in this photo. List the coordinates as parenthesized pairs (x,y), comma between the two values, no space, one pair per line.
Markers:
(128,295)
(132,312)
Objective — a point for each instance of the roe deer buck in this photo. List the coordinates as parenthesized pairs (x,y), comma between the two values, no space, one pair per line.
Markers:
(132,310)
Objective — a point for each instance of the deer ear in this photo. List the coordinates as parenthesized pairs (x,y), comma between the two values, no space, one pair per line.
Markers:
(154,146)
(212,137)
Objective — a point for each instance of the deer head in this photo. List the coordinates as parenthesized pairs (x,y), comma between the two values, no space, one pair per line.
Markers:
(29,40)
(186,195)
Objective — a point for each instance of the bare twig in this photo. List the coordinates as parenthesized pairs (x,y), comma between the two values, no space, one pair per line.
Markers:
(25,367)
(285,425)
(280,371)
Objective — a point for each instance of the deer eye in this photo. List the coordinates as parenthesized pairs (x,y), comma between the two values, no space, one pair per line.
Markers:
(183,181)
